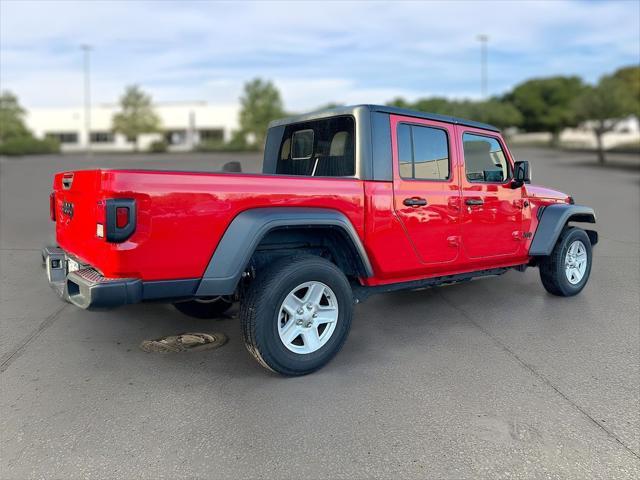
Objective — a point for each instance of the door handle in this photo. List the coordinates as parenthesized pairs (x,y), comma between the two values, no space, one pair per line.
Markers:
(415,202)
(474,201)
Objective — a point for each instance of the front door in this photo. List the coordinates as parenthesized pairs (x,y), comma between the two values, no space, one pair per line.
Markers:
(426,187)
(491,210)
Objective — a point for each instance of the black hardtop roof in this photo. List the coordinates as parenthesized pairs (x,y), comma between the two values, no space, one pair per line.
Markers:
(347,110)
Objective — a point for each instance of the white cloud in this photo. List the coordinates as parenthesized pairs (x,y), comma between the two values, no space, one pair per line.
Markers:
(315,52)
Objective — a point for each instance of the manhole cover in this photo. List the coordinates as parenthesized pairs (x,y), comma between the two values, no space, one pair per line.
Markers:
(185,342)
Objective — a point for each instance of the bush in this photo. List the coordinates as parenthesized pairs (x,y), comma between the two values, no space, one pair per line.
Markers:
(159,146)
(218,146)
(29,146)
(237,143)
(211,146)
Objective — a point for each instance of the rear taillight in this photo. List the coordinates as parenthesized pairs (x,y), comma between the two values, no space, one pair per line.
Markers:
(122,217)
(52,206)
(116,219)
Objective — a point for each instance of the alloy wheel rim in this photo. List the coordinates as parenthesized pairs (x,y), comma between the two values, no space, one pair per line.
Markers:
(575,262)
(307,317)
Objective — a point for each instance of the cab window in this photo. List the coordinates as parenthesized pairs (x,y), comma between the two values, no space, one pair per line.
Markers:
(318,148)
(302,145)
(484,159)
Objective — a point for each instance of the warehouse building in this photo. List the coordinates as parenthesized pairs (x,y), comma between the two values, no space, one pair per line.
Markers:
(183,125)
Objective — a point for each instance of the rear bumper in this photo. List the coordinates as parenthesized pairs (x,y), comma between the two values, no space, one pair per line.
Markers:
(86,288)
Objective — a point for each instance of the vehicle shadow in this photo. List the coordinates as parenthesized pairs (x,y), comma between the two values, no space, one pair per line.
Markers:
(381,327)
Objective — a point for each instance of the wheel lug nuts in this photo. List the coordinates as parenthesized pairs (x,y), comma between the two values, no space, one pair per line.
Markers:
(309,306)
(300,311)
(308,324)
(299,322)
(315,315)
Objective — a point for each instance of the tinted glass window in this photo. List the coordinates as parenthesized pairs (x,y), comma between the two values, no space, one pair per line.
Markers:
(64,137)
(302,145)
(423,153)
(405,151)
(319,148)
(484,160)
(101,137)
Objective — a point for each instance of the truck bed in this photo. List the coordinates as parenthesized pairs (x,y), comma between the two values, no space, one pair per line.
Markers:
(181,216)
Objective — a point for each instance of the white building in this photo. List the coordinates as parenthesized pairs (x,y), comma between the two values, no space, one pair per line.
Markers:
(626,131)
(184,125)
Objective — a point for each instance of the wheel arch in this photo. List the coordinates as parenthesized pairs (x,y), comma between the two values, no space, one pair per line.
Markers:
(553,219)
(249,229)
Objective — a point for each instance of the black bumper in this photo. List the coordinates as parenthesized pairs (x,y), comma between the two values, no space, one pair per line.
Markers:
(88,289)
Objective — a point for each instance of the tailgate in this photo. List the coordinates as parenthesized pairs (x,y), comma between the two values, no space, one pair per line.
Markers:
(76,198)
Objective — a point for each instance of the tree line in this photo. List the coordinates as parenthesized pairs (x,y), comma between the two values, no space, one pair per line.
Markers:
(538,105)
(550,105)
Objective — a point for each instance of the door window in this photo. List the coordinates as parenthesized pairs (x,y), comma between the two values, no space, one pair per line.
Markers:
(484,160)
(423,152)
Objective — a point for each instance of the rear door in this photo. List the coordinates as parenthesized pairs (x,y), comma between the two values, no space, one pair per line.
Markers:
(426,188)
(491,220)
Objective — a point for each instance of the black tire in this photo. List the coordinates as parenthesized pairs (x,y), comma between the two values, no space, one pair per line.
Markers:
(552,268)
(212,308)
(260,308)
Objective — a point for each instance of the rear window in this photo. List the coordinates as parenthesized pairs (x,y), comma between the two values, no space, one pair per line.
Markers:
(319,148)
(302,145)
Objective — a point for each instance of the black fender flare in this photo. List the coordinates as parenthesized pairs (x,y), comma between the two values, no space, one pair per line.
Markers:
(247,229)
(552,220)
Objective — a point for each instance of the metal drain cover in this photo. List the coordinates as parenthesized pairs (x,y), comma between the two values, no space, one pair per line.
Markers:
(185,342)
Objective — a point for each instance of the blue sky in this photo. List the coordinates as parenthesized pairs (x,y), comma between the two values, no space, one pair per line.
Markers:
(315,52)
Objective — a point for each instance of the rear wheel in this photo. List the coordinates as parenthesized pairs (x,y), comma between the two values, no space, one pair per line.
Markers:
(296,314)
(208,307)
(566,271)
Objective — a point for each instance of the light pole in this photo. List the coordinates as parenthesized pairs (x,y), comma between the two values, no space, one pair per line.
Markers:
(483,39)
(87,96)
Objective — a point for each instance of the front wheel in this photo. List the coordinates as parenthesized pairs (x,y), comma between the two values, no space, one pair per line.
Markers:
(296,314)
(566,271)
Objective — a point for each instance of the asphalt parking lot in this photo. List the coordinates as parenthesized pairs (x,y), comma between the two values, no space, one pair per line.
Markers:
(490,379)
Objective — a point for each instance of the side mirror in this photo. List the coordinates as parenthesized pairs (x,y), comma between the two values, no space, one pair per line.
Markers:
(521,174)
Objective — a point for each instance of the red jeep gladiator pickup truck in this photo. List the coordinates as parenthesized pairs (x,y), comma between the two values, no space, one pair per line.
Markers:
(352,201)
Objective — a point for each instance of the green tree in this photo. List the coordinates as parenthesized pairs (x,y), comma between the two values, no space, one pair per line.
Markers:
(546,104)
(328,106)
(630,77)
(494,111)
(259,105)
(603,106)
(136,116)
(11,118)
(400,103)
(440,105)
